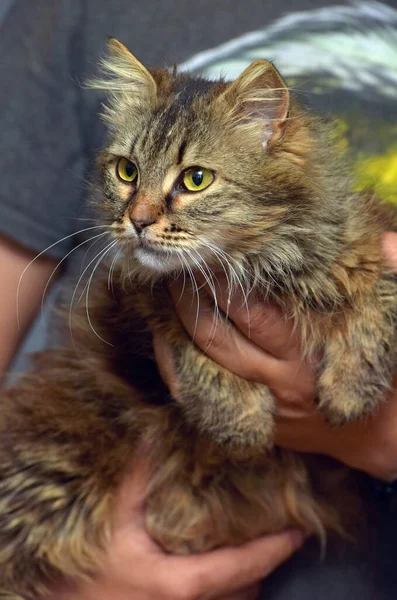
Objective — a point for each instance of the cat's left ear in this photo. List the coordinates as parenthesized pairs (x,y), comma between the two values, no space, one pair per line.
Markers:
(124,74)
(259,97)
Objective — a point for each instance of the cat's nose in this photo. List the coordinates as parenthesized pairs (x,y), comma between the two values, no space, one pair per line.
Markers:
(141,223)
(143,214)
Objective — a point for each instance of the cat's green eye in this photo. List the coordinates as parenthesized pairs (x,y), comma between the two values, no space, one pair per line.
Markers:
(126,170)
(197,179)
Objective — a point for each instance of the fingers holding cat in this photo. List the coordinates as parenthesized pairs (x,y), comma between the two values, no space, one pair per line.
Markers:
(263,348)
(256,342)
(135,567)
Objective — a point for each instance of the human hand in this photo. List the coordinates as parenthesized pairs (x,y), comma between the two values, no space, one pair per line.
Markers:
(261,346)
(135,568)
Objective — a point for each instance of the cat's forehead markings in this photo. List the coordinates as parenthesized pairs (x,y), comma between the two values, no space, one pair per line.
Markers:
(170,130)
(192,156)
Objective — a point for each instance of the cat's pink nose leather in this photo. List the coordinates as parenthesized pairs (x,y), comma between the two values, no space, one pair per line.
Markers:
(143,214)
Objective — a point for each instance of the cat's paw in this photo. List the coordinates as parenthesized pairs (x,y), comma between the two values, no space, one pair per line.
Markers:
(236,414)
(335,409)
(346,400)
(246,435)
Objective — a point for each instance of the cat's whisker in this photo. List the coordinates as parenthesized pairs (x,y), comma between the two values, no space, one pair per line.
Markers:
(225,255)
(126,272)
(99,235)
(66,237)
(106,251)
(195,290)
(198,264)
(87,219)
(76,289)
(217,312)
(228,280)
(111,271)
(235,280)
(184,279)
(87,252)
(210,282)
(229,260)
(85,286)
(233,260)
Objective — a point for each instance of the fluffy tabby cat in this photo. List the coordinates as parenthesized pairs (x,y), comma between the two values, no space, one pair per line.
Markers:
(196,176)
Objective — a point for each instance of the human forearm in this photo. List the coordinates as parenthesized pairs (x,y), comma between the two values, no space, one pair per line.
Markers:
(13,260)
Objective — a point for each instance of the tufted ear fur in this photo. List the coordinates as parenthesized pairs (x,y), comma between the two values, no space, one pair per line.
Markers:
(259,98)
(124,72)
(125,80)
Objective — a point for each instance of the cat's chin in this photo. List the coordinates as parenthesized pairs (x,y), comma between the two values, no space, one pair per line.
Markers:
(160,263)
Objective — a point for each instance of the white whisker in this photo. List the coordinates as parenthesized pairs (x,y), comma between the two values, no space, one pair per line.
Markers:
(77,286)
(210,282)
(234,278)
(184,279)
(85,286)
(41,254)
(195,290)
(111,271)
(87,252)
(108,248)
(61,261)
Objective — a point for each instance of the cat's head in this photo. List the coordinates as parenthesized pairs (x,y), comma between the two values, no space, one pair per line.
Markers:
(201,171)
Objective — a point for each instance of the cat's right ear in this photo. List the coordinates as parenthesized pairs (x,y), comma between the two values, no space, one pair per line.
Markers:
(122,73)
(258,99)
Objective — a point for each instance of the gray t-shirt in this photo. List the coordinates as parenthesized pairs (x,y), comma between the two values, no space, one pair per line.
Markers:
(49,126)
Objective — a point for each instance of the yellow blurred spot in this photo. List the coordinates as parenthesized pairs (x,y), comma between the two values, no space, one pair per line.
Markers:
(379,172)
(339,134)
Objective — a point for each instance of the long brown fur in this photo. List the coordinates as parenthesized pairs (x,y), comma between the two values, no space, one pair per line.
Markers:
(280,219)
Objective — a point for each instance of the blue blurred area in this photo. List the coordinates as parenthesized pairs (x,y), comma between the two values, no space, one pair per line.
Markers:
(35,340)
(4,6)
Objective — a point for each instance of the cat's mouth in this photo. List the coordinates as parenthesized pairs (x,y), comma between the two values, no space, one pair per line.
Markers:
(166,259)
(156,248)
(150,246)
(163,257)
(158,256)
(162,247)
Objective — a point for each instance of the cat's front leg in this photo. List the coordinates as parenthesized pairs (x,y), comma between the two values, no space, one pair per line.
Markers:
(236,413)
(62,455)
(360,358)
